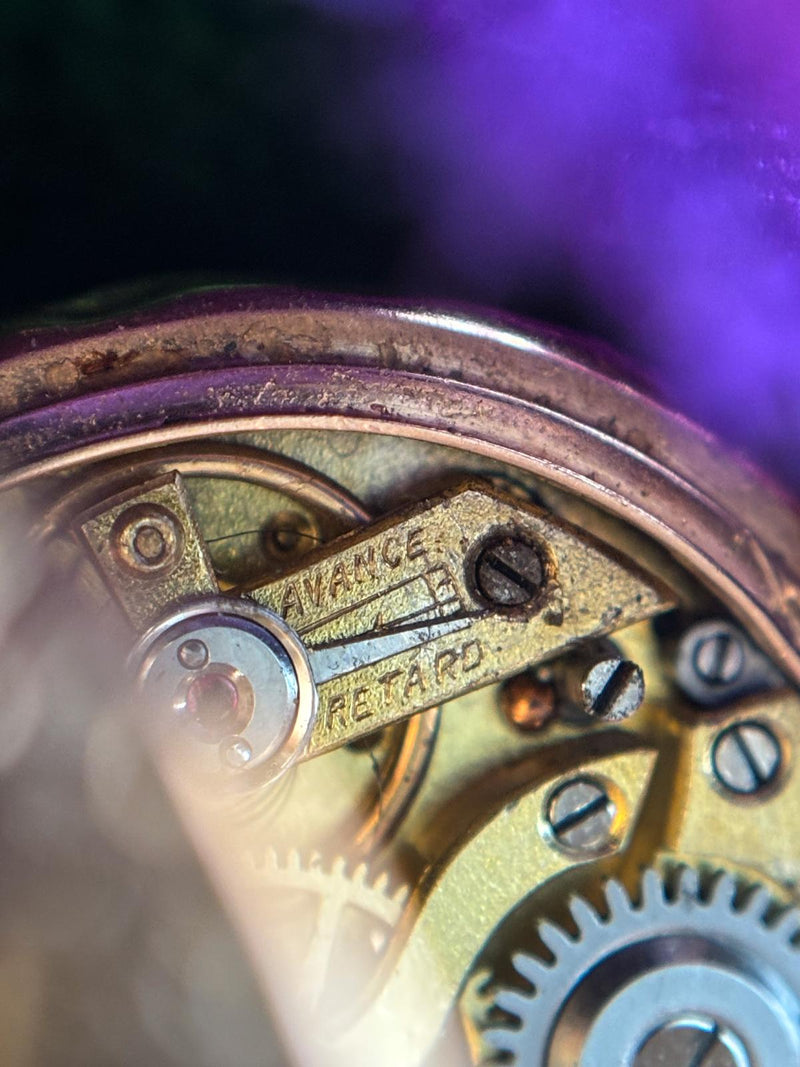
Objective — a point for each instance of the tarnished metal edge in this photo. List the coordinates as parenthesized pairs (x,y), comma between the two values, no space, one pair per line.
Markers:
(257,359)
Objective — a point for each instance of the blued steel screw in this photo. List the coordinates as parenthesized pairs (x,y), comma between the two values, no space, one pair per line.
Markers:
(746,757)
(509,572)
(581,814)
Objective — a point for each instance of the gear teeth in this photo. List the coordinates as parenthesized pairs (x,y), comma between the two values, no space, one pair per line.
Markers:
(586,918)
(652,891)
(476,1004)
(688,889)
(531,969)
(555,938)
(314,875)
(516,1004)
(619,903)
(339,888)
(501,1039)
(480,987)
(723,892)
(359,875)
(714,917)
(757,903)
(788,925)
(293,862)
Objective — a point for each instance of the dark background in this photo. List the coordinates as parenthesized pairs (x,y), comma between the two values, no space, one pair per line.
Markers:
(183,136)
(630,172)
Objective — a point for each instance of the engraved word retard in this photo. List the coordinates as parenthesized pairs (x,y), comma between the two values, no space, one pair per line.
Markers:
(416,684)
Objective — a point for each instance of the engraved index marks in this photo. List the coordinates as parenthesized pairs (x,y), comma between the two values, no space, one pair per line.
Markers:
(398,576)
(333,589)
(393,625)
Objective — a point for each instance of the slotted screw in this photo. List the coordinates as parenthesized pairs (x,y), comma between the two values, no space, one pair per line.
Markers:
(596,681)
(509,572)
(746,757)
(580,815)
(613,689)
(692,1043)
(719,657)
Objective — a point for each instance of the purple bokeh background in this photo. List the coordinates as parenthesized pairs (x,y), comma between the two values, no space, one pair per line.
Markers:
(644,156)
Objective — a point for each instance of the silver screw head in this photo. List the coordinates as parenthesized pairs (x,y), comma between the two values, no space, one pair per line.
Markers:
(746,757)
(193,654)
(716,663)
(509,572)
(236,753)
(613,689)
(692,1042)
(580,815)
(718,656)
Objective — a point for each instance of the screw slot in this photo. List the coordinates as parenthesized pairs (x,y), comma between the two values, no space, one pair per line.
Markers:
(581,815)
(718,657)
(613,689)
(692,1042)
(746,758)
(509,572)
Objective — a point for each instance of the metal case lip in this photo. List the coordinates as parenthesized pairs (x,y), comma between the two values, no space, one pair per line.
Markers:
(241,359)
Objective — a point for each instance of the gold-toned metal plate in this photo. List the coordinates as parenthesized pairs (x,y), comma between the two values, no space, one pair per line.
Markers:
(414,570)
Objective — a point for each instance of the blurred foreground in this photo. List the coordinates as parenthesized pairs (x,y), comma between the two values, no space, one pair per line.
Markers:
(113,948)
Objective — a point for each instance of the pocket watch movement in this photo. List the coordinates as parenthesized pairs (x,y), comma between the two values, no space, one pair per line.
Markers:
(469,670)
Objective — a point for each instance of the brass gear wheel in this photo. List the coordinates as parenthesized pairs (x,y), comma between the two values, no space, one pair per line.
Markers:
(329,913)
